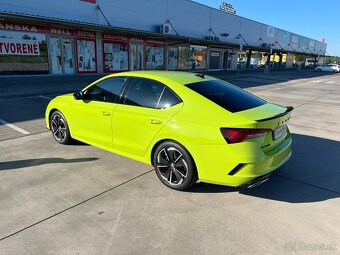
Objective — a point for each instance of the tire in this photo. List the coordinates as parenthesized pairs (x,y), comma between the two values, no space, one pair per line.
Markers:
(174,166)
(319,70)
(59,128)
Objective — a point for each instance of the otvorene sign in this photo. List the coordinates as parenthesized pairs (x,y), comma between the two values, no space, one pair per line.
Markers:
(19,47)
(13,44)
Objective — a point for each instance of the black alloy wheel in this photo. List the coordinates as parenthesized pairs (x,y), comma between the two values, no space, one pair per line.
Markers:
(59,128)
(174,166)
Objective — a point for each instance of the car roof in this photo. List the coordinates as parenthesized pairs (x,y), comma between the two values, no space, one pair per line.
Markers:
(175,76)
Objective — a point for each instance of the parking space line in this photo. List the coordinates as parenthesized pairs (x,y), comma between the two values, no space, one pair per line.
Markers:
(44,97)
(329,82)
(20,130)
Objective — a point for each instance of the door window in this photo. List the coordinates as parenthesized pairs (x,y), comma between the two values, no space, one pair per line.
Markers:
(107,90)
(144,92)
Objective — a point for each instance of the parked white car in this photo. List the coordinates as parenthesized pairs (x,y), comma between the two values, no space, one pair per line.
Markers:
(328,68)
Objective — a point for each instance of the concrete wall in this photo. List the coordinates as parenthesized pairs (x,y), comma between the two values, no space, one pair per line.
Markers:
(189,19)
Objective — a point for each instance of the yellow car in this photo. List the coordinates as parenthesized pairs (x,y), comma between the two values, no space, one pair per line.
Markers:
(190,127)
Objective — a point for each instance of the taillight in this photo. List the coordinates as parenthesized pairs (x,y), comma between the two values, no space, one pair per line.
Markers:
(237,135)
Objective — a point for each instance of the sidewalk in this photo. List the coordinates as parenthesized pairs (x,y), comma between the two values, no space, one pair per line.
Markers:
(24,86)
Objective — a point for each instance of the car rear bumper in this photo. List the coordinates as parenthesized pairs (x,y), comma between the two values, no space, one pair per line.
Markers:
(228,167)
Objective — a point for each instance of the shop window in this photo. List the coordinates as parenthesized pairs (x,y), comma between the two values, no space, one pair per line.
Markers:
(242,60)
(23,53)
(86,55)
(172,58)
(198,57)
(184,62)
(154,57)
(116,56)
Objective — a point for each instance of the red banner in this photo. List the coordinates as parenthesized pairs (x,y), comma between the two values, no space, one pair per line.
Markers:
(21,27)
(85,34)
(115,37)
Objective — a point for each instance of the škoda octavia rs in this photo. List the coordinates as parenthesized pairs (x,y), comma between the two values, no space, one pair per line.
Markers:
(190,127)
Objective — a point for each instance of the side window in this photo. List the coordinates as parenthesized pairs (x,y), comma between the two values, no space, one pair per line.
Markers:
(144,92)
(168,99)
(106,90)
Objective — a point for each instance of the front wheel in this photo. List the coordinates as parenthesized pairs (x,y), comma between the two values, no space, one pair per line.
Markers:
(59,128)
(174,166)
(319,70)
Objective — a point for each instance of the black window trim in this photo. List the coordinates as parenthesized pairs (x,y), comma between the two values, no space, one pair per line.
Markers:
(119,95)
(129,83)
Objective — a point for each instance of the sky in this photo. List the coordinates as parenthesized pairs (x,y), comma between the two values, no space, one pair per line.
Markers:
(313,18)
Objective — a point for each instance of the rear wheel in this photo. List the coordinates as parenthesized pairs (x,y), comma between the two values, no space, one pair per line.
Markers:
(319,70)
(174,166)
(59,128)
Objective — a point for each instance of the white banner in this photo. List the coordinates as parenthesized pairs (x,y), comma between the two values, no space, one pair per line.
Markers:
(19,47)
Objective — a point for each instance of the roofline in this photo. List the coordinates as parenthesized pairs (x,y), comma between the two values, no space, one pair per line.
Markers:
(128,31)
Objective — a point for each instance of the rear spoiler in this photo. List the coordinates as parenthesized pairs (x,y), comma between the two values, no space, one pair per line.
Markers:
(289,109)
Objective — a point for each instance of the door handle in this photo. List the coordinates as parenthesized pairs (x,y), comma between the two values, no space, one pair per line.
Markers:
(155,121)
(106,113)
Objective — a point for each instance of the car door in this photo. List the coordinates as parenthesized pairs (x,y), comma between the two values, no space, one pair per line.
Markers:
(92,115)
(146,107)
(328,68)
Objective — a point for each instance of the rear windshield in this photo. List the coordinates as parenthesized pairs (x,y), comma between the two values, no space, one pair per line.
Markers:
(226,95)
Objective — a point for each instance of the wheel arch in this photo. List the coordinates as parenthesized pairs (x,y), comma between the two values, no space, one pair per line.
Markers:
(172,140)
(49,116)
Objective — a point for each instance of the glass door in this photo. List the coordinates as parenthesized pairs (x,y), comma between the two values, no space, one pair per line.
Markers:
(214,59)
(61,55)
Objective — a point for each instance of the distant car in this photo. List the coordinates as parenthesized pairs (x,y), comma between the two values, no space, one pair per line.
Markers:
(328,68)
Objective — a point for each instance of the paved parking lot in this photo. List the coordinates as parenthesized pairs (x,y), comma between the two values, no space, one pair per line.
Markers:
(82,200)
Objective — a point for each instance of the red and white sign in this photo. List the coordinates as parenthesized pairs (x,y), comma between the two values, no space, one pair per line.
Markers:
(19,47)
(21,27)
(85,34)
(89,1)
(115,37)
(59,31)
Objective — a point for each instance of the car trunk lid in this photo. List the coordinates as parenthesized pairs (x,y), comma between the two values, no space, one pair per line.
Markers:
(273,117)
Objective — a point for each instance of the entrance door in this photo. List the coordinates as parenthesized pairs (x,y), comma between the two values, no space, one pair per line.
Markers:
(61,55)
(215,58)
(226,60)
(137,57)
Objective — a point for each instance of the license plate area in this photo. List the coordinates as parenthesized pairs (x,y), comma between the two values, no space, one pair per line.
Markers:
(278,133)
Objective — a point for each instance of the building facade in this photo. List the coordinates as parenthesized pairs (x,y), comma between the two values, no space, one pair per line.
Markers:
(105,36)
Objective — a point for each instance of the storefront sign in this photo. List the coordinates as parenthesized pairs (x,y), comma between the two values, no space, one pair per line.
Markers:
(59,31)
(19,47)
(137,39)
(21,27)
(154,41)
(115,37)
(85,34)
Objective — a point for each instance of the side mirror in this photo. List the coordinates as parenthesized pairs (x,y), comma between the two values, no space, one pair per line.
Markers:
(78,95)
